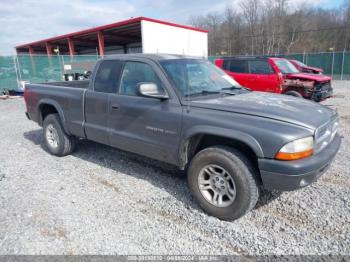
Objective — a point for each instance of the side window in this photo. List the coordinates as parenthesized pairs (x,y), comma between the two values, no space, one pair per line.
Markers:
(226,65)
(135,73)
(238,66)
(261,67)
(107,76)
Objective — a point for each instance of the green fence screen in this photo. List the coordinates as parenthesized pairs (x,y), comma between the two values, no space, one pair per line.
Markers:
(41,68)
(8,77)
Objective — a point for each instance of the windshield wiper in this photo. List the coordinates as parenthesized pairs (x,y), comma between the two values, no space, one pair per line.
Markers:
(236,88)
(231,88)
(205,92)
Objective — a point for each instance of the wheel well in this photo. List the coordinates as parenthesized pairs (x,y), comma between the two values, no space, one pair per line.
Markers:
(300,90)
(45,110)
(202,141)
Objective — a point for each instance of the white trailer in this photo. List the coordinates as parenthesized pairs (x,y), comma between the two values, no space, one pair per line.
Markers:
(161,37)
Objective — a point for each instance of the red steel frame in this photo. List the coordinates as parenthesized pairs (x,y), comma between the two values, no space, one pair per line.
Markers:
(48,49)
(31,50)
(99,31)
(101,43)
(71,46)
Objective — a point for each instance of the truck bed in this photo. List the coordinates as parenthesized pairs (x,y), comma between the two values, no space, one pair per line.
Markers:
(68,96)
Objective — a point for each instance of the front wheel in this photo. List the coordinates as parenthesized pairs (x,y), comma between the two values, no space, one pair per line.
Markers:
(223,181)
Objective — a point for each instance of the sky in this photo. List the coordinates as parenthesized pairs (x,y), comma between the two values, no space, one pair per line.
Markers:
(24,21)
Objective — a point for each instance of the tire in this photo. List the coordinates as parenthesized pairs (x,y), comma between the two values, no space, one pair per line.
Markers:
(293,93)
(56,140)
(242,172)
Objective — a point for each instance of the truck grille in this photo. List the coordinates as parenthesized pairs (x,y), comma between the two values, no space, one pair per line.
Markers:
(325,134)
(323,86)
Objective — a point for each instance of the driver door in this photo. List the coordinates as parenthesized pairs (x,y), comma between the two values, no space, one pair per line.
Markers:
(144,125)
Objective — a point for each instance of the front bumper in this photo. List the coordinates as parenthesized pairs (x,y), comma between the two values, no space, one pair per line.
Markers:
(291,175)
(321,93)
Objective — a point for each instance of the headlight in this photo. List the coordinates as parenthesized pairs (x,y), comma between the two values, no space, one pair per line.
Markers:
(297,149)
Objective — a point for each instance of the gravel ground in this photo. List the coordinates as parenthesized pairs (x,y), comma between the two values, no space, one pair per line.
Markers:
(104,201)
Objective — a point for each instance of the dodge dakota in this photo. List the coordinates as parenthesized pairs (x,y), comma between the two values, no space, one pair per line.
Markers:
(187,112)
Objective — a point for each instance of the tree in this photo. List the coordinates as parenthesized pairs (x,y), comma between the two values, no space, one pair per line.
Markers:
(251,14)
(276,27)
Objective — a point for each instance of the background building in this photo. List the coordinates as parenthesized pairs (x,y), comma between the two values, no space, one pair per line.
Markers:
(136,35)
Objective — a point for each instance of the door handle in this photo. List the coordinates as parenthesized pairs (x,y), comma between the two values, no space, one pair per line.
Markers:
(115,107)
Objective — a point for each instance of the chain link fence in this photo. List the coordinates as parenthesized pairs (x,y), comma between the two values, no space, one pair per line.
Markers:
(41,68)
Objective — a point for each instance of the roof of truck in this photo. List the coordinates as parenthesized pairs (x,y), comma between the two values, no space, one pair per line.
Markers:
(156,57)
(248,57)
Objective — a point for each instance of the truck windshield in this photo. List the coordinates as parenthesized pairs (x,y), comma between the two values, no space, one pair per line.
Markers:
(299,63)
(198,77)
(286,67)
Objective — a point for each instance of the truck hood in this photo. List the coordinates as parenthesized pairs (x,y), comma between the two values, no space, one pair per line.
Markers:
(310,77)
(284,108)
(313,68)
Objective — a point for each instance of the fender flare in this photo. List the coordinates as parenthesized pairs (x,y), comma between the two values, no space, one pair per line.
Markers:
(58,108)
(240,136)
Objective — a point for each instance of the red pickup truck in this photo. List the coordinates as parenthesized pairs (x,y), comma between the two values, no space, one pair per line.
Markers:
(276,75)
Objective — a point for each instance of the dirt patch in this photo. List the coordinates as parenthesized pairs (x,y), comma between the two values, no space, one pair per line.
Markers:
(108,184)
(56,233)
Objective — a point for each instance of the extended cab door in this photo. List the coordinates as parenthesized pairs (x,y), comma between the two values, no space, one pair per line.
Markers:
(97,100)
(262,75)
(145,125)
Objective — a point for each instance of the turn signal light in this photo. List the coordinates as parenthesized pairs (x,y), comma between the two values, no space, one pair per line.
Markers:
(294,156)
(297,149)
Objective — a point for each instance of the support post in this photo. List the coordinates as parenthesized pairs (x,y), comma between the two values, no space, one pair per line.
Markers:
(306,56)
(16,69)
(19,68)
(342,66)
(101,43)
(49,52)
(48,49)
(31,50)
(31,53)
(332,63)
(71,47)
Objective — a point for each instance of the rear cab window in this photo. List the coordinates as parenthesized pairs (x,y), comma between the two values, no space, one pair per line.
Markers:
(107,76)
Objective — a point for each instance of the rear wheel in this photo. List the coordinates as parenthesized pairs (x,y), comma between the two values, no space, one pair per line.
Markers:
(293,93)
(57,141)
(222,180)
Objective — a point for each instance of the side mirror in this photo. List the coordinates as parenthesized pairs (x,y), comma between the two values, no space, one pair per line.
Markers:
(151,90)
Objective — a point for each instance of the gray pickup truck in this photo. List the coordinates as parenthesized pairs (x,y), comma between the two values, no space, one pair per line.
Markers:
(187,112)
